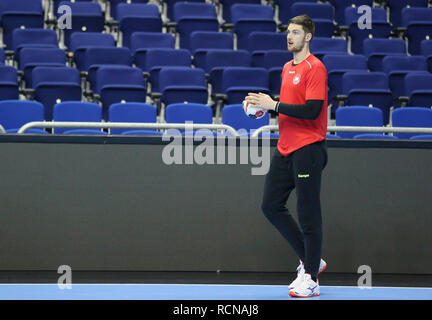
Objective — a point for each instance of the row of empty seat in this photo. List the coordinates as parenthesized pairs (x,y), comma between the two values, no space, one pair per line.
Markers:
(14,114)
(244,18)
(103,66)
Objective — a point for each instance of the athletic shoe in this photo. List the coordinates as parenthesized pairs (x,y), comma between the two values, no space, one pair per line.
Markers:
(301,272)
(306,289)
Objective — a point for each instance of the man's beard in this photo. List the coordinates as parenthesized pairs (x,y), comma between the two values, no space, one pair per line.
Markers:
(296,49)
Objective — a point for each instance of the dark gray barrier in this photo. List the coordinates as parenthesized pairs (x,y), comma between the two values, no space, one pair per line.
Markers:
(111,203)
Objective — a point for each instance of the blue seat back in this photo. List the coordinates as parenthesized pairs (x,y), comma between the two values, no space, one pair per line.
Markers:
(118,75)
(263,41)
(364,80)
(251,12)
(146,40)
(131,112)
(182,112)
(90,39)
(55,75)
(211,40)
(227,58)
(358,116)
(193,9)
(33,36)
(107,55)
(181,76)
(244,77)
(76,112)
(15,113)
(167,57)
(313,10)
(412,15)
(411,117)
(391,46)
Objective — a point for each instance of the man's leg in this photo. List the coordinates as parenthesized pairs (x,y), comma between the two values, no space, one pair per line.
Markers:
(308,163)
(278,185)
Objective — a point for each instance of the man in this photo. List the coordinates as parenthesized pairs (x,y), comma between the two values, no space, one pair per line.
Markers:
(301,155)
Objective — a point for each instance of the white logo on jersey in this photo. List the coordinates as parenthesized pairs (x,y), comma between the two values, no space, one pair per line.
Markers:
(296,79)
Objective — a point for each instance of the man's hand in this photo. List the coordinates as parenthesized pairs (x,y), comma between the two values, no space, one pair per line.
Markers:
(261,100)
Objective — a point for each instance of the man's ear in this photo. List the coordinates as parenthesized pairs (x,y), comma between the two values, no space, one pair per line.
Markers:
(308,36)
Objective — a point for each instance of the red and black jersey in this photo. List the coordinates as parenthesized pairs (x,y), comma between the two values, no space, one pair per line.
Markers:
(304,81)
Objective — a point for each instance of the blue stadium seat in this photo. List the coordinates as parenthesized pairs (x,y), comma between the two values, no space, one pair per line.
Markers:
(340,6)
(398,66)
(418,87)
(320,46)
(248,18)
(375,136)
(56,3)
(158,58)
(380,27)
(116,84)
(30,58)
(115,3)
(368,88)
(332,136)
(274,61)
(376,49)
(77,112)
(426,50)
(233,115)
(80,41)
(142,41)
(397,6)
(133,112)
(358,116)
(418,24)
(192,17)
(260,42)
(336,66)
(19,14)
(169,6)
(135,17)
(96,57)
(188,112)
(422,137)
(227,4)
(284,9)
(237,82)
(183,84)
(322,14)
(218,60)
(8,83)
(411,117)
(55,84)
(16,113)
(86,17)
(202,41)
(2,56)
(33,38)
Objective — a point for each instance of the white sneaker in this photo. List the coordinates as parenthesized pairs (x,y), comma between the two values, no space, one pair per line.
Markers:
(306,289)
(301,272)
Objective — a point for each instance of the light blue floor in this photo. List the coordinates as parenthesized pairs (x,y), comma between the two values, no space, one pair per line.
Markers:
(199,292)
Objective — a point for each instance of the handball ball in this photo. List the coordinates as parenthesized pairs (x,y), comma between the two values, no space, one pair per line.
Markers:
(252,111)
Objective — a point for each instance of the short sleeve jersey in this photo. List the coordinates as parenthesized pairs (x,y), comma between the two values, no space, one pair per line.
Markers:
(304,81)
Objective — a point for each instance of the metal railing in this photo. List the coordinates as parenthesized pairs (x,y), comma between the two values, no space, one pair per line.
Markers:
(125,125)
(356,129)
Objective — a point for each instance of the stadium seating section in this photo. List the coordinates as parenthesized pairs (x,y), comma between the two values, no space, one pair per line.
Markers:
(173,61)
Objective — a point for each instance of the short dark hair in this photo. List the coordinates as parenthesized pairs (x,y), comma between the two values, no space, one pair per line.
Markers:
(305,21)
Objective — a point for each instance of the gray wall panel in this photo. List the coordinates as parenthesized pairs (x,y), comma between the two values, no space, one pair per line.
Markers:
(118,207)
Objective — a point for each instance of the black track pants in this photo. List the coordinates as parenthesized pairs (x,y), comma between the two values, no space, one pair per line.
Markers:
(301,170)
